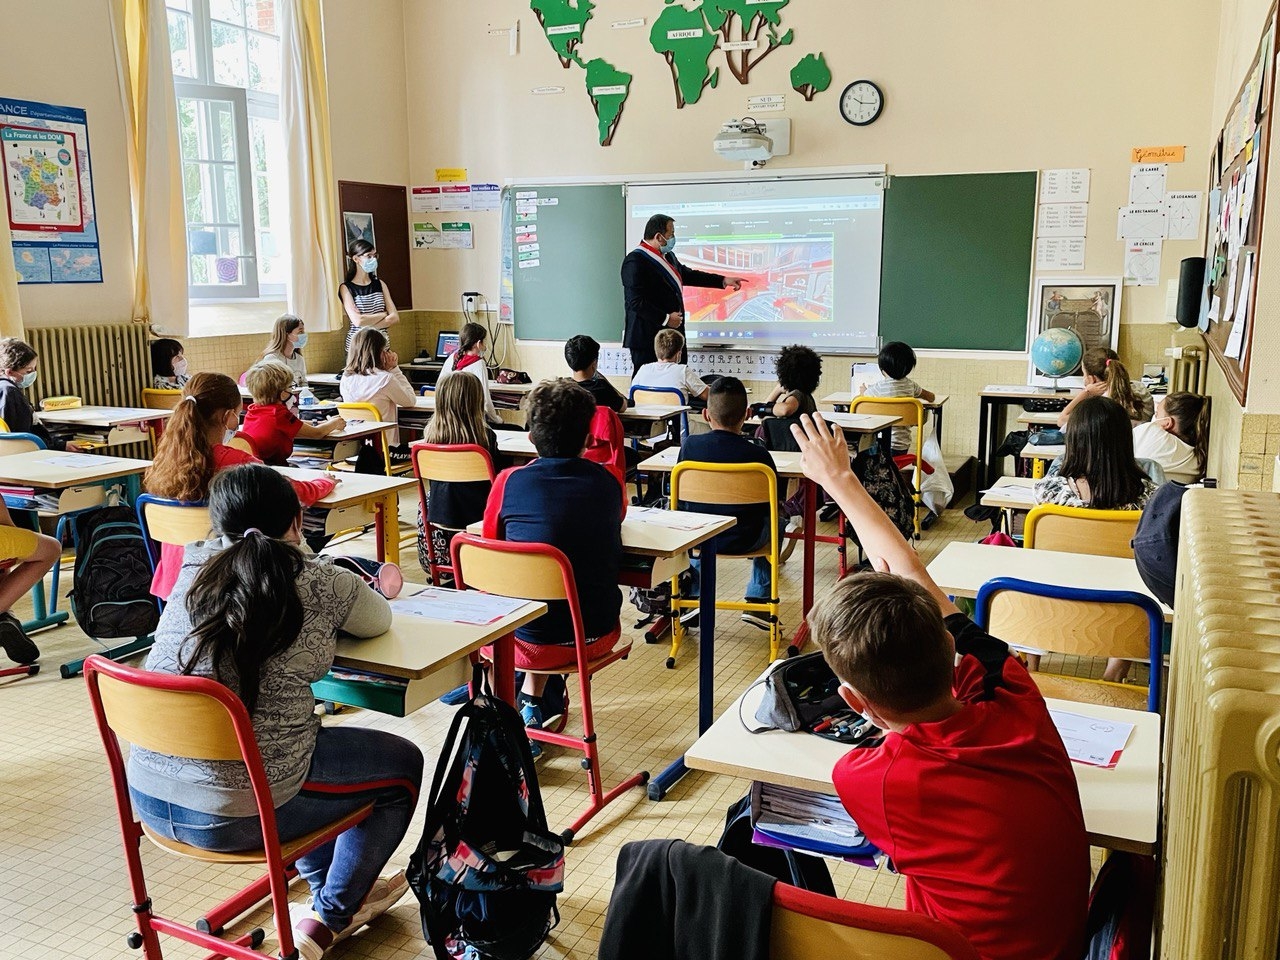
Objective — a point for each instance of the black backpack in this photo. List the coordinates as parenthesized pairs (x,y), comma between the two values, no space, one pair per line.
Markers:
(487,870)
(111,587)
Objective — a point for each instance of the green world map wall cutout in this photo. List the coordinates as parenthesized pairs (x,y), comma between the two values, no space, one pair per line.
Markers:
(745,31)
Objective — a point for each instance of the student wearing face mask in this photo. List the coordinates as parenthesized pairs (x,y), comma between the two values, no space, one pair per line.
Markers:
(365,298)
(168,365)
(271,423)
(288,337)
(193,449)
(18,372)
(653,283)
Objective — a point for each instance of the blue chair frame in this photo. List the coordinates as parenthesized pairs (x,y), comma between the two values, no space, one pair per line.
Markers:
(675,391)
(1155,616)
(153,548)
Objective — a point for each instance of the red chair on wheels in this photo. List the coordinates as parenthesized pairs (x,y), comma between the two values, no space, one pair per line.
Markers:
(537,571)
(196,718)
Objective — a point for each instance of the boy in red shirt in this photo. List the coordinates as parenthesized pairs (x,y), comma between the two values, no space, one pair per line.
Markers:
(269,423)
(971,793)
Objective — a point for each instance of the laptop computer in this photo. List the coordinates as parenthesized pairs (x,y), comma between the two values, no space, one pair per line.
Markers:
(446,343)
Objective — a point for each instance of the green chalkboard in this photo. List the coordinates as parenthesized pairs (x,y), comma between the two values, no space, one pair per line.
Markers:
(956,266)
(577,238)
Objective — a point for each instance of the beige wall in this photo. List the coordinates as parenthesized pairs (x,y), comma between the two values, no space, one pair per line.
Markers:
(80,72)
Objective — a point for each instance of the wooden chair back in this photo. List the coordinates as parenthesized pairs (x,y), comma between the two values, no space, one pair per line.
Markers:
(154,399)
(1099,533)
(530,571)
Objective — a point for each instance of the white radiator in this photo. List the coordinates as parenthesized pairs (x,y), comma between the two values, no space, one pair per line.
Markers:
(1221,873)
(106,364)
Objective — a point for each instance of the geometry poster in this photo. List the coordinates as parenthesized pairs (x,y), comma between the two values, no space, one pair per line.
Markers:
(48,188)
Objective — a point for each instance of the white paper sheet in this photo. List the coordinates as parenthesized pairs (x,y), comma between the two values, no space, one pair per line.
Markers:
(1014,492)
(1184,214)
(1062,219)
(670,519)
(1059,253)
(1142,222)
(1147,183)
(1238,336)
(1097,743)
(1064,185)
(1142,263)
(78,461)
(458,606)
(1227,309)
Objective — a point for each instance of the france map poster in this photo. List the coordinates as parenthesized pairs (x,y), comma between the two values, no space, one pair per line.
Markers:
(48,189)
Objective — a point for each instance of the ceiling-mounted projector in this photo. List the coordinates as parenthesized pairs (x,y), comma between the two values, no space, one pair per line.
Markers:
(753,142)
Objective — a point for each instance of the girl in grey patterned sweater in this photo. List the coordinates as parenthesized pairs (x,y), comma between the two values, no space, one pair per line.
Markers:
(251,610)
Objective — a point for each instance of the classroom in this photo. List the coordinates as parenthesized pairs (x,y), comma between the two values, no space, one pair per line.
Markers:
(914,202)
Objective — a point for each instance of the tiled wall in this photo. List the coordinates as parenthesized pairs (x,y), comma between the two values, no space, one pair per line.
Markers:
(1259,445)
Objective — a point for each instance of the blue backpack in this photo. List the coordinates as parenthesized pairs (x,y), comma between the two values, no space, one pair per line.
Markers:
(111,586)
(487,870)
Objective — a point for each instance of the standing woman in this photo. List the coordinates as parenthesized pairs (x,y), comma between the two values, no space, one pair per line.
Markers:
(288,337)
(470,357)
(365,298)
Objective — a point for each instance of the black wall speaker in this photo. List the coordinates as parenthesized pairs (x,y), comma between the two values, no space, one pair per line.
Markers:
(1190,290)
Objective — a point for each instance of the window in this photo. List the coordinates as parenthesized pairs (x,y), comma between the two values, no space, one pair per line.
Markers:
(226,66)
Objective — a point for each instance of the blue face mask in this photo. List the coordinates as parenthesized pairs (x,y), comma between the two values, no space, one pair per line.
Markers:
(371,265)
(669,245)
(28,379)
(300,342)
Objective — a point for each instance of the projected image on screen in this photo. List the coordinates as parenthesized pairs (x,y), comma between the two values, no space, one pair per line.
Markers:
(788,280)
(808,252)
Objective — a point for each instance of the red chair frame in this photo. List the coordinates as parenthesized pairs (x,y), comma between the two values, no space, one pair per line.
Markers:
(274,885)
(585,667)
(434,565)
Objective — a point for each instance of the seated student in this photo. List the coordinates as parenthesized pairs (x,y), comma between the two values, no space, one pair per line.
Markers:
(17,576)
(896,361)
(668,371)
(458,419)
(1106,376)
(168,364)
(971,793)
(726,412)
(18,363)
(472,342)
(193,448)
(1098,468)
(271,423)
(373,375)
(1177,437)
(799,372)
(252,610)
(288,337)
(573,505)
(582,354)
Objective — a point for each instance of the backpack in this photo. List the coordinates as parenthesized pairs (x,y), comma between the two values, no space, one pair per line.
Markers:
(487,870)
(111,586)
(887,487)
(1122,908)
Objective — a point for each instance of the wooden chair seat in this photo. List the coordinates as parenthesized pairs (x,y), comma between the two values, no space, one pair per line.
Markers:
(1083,690)
(289,851)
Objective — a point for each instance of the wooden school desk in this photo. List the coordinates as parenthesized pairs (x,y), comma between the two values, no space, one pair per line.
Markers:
(960,569)
(518,446)
(116,425)
(1041,456)
(354,430)
(433,655)
(1121,805)
(1026,419)
(993,402)
(363,494)
(667,549)
(1012,496)
(77,479)
(842,401)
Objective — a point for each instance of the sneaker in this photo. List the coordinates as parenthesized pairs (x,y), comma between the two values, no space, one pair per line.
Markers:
(457,696)
(829,512)
(312,937)
(760,620)
(18,647)
(689,619)
(794,525)
(555,700)
(531,714)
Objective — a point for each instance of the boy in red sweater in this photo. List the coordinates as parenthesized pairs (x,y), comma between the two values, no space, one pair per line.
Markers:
(971,793)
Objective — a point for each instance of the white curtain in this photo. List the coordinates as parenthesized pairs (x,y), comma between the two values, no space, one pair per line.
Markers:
(10,306)
(140,30)
(315,250)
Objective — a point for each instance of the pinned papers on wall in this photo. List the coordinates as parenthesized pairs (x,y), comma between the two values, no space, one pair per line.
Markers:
(453,197)
(1183,209)
(1138,222)
(451,174)
(425,236)
(1064,185)
(1239,332)
(1062,219)
(1142,263)
(456,236)
(1147,183)
(1060,253)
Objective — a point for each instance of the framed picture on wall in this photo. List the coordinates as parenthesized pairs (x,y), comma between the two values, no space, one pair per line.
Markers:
(1089,306)
(357,226)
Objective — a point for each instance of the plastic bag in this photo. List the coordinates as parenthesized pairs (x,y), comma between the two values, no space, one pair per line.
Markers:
(936,488)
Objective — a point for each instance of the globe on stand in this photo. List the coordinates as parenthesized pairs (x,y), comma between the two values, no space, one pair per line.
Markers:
(1057,353)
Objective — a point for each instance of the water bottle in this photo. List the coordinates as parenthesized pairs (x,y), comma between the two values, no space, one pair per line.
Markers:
(306,398)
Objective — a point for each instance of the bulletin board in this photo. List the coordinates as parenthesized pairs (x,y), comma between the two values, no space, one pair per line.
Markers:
(1234,213)
(389,206)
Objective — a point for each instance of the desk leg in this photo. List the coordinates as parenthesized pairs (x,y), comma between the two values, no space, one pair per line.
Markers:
(984,445)
(386,527)
(801,635)
(44,617)
(669,777)
(504,668)
(937,418)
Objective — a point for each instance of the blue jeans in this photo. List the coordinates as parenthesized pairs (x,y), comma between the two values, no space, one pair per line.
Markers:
(341,872)
(759,587)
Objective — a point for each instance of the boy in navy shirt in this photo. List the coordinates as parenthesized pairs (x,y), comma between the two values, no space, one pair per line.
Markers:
(573,505)
(726,412)
(582,354)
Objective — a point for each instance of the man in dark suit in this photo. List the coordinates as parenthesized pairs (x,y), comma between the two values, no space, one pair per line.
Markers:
(653,283)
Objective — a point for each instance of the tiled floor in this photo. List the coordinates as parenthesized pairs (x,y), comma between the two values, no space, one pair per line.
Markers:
(62,879)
